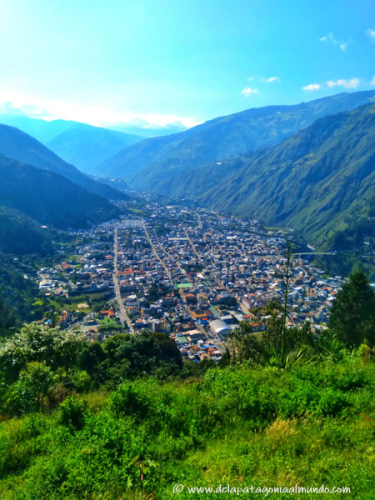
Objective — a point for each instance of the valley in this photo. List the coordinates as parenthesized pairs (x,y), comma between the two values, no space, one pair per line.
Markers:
(187,250)
(190,273)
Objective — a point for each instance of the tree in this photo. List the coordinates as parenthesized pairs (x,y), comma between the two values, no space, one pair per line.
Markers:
(244,345)
(352,314)
(56,348)
(90,358)
(128,356)
(168,350)
(31,390)
(7,317)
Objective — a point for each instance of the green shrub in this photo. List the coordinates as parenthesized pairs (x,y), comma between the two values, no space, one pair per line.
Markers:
(332,403)
(72,412)
(131,398)
(30,392)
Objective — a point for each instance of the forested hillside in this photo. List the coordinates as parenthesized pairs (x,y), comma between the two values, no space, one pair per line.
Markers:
(24,148)
(320,182)
(21,235)
(149,163)
(50,198)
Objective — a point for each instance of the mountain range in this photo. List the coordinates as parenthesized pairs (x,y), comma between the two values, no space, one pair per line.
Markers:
(320,181)
(24,148)
(309,167)
(87,147)
(151,164)
(79,144)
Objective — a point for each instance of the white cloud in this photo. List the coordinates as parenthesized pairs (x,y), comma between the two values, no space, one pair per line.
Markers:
(312,86)
(34,107)
(347,84)
(331,38)
(373,81)
(371,33)
(271,79)
(247,91)
(264,79)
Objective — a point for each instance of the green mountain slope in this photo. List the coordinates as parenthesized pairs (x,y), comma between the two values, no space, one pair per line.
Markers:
(26,149)
(151,163)
(20,234)
(49,198)
(320,181)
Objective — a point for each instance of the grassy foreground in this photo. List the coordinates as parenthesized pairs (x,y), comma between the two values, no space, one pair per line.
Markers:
(240,426)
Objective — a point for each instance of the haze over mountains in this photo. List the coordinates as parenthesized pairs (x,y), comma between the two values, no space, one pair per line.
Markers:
(26,149)
(308,166)
(37,185)
(151,164)
(80,144)
(87,147)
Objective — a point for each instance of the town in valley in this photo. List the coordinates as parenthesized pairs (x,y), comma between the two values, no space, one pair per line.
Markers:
(191,273)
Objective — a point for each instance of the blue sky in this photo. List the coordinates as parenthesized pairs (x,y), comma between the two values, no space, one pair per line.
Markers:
(162,61)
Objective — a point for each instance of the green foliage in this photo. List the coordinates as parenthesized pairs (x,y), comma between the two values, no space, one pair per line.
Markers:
(132,400)
(281,401)
(21,235)
(128,356)
(7,318)
(352,315)
(109,325)
(278,346)
(72,413)
(50,198)
(249,425)
(329,347)
(29,393)
(55,348)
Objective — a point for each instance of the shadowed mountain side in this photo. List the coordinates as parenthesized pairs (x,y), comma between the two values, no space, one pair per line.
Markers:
(21,235)
(26,149)
(49,198)
(320,181)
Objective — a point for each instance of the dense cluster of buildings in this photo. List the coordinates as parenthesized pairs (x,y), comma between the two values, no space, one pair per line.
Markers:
(190,273)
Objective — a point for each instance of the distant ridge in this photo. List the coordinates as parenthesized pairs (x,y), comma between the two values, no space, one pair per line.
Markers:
(151,164)
(24,148)
(87,146)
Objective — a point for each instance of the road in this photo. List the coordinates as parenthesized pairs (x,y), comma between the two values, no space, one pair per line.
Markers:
(156,253)
(124,317)
(193,246)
